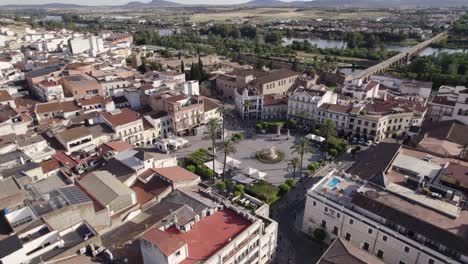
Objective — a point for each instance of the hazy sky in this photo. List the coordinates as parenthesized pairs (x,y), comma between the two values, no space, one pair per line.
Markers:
(115,2)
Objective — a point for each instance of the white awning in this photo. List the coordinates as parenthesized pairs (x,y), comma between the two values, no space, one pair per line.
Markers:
(218,166)
(177,141)
(233,162)
(243,179)
(258,175)
(315,138)
(249,171)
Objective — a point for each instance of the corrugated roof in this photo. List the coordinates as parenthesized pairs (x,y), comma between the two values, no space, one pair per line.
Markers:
(104,187)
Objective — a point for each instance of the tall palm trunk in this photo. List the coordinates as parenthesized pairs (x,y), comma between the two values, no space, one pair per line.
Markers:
(213,142)
(300,169)
(224,167)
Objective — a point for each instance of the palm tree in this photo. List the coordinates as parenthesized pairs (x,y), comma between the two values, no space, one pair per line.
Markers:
(213,127)
(222,110)
(228,148)
(294,163)
(328,129)
(301,147)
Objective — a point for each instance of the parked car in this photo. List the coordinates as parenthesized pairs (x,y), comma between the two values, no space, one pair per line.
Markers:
(369,143)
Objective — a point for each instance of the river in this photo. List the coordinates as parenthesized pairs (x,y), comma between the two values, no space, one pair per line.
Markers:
(340,44)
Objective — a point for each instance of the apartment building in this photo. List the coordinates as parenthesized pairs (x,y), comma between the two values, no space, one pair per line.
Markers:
(303,104)
(43,74)
(48,90)
(249,103)
(450,103)
(266,82)
(126,125)
(186,112)
(275,107)
(113,85)
(229,236)
(359,90)
(375,120)
(395,209)
(81,86)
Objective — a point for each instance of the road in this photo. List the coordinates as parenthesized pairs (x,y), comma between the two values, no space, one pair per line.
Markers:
(294,246)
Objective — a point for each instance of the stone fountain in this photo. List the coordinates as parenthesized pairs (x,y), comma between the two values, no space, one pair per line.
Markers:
(271,155)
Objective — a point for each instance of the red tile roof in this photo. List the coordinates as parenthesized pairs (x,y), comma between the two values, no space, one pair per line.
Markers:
(124,117)
(211,234)
(118,145)
(176,173)
(275,99)
(175,98)
(5,96)
(49,165)
(166,242)
(457,172)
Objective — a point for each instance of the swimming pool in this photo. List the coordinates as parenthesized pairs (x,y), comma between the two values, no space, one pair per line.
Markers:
(333,182)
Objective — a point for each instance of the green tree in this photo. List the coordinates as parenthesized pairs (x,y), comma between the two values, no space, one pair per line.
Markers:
(191,168)
(320,234)
(213,128)
(333,152)
(228,148)
(302,147)
(239,188)
(283,189)
(290,182)
(222,111)
(295,65)
(313,166)
(328,129)
(221,186)
(294,163)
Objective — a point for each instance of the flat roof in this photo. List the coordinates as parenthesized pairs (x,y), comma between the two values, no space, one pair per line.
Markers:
(209,234)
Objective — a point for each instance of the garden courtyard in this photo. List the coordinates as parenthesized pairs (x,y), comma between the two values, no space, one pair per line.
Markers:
(276,173)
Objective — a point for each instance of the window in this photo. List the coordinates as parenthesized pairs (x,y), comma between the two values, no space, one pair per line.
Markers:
(407,249)
(326,209)
(380,253)
(370,231)
(335,230)
(314,203)
(431,261)
(401,262)
(351,221)
(177,253)
(338,215)
(365,246)
(384,238)
(324,224)
(348,236)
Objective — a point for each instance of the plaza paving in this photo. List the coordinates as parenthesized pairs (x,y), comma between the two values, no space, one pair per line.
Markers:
(276,173)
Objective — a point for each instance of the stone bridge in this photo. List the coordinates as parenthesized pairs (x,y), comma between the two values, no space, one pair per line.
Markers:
(401,58)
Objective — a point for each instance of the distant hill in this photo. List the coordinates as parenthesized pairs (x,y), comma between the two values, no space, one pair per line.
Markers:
(269,3)
(265,3)
(51,6)
(154,3)
(385,3)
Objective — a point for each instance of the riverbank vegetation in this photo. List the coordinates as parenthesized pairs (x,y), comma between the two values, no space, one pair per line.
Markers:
(443,69)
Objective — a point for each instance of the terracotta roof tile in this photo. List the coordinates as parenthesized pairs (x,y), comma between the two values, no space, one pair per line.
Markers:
(125,116)
(5,96)
(175,173)
(49,165)
(166,242)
